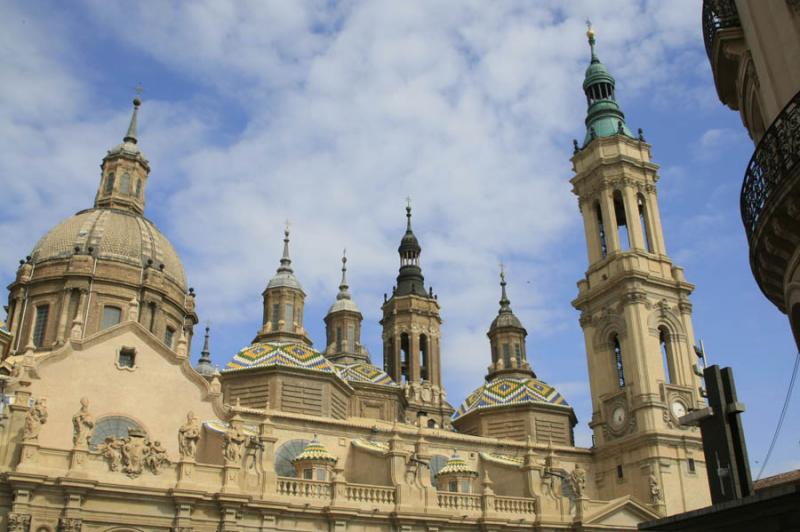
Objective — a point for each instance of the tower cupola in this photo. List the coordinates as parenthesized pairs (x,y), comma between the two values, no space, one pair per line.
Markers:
(507,338)
(284,300)
(410,279)
(604,116)
(124,172)
(343,325)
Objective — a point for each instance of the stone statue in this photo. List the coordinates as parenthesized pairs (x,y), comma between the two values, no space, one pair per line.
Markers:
(111,450)
(188,436)
(233,445)
(655,490)
(83,424)
(155,456)
(577,481)
(34,419)
(133,310)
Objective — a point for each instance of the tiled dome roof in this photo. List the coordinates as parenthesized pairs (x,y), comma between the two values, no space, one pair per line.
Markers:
(456,466)
(114,235)
(505,391)
(315,451)
(281,354)
(364,372)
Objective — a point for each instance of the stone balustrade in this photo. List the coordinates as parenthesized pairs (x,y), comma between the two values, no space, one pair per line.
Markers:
(515,505)
(370,494)
(295,487)
(459,501)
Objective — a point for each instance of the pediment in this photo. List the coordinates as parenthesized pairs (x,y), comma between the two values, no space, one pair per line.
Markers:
(621,512)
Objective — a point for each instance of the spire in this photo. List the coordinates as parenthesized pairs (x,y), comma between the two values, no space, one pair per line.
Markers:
(604,118)
(284,276)
(204,366)
(505,304)
(286,262)
(130,136)
(410,279)
(344,292)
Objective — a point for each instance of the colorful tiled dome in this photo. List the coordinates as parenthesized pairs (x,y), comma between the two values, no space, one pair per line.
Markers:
(364,372)
(505,391)
(315,451)
(457,466)
(280,354)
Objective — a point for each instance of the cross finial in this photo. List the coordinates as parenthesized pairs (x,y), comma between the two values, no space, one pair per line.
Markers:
(502,271)
(138,89)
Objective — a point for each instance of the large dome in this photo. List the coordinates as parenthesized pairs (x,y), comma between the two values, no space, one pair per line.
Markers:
(114,235)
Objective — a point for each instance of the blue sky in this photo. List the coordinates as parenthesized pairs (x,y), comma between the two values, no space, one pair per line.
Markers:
(330,113)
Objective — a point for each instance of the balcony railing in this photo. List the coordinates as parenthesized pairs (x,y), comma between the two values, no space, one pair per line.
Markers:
(718,15)
(775,159)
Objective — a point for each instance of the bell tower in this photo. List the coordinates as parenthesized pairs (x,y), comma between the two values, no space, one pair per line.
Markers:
(411,336)
(635,315)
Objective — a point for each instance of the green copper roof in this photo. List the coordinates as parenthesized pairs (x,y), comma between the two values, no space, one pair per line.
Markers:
(604,118)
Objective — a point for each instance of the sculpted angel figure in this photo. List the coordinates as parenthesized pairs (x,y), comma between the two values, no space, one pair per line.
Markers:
(111,450)
(156,457)
(188,436)
(655,490)
(34,419)
(83,424)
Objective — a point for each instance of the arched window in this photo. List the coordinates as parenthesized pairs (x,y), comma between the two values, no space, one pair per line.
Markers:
(125,184)
(643,222)
(288,322)
(138,188)
(351,339)
(423,358)
(111,427)
(388,359)
(40,325)
(284,456)
(618,361)
(109,183)
(405,348)
(667,357)
(622,221)
(338,339)
(506,355)
(601,230)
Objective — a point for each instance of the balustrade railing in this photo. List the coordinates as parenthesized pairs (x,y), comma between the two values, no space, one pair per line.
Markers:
(295,487)
(459,501)
(717,15)
(515,505)
(371,494)
(774,160)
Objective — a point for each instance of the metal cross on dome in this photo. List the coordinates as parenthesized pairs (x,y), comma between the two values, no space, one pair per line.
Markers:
(138,89)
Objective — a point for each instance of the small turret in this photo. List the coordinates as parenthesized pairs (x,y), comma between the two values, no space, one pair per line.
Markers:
(343,325)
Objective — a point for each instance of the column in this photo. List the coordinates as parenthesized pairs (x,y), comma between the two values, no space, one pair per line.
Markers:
(62,319)
(591,230)
(632,215)
(76,332)
(609,220)
(413,358)
(655,221)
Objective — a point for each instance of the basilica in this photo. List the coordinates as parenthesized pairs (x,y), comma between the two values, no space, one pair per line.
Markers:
(108,423)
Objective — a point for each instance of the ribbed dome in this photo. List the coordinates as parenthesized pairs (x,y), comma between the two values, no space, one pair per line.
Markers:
(506,319)
(114,235)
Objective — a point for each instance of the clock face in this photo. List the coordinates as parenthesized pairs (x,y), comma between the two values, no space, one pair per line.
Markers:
(618,416)
(678,409)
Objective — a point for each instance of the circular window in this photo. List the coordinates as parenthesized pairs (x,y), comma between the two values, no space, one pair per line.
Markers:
(286,453)
(111,427)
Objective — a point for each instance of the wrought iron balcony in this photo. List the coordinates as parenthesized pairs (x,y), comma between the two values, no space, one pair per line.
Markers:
(770,198)
(718,15)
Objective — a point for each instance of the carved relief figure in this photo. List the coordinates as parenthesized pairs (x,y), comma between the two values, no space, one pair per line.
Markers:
(655,490)
(34,419)
(155,456)
(577,481)
(111,450)
(83,424)
(233,445)
(188,436)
